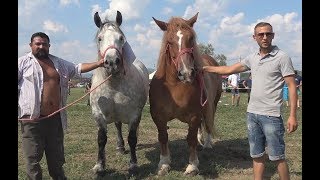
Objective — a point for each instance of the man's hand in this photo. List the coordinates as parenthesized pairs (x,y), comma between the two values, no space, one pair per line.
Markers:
(292,124)
(101,63)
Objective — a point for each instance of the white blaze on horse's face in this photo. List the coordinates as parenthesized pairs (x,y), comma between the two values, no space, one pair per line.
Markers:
(180,35)
(110,43)
(185,61)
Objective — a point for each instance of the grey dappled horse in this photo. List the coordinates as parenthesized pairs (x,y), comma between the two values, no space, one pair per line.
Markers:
(122,97)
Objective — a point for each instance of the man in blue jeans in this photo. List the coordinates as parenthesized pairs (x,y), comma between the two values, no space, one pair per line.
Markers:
(270,69)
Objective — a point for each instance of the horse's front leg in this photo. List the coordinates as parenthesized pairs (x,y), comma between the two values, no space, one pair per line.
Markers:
(102,141)
(120,142)
(132,141)
(165,159)
(192,140)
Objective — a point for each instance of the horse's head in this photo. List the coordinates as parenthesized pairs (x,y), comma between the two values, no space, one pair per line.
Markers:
(180,41)
(110,40)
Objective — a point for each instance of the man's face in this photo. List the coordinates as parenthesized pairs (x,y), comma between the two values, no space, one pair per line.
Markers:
(40,47)
(264,35)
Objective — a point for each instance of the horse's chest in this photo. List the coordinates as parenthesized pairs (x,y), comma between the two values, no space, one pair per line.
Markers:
(180,95)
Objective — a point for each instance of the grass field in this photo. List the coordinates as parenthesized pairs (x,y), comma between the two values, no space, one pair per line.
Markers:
(229,158)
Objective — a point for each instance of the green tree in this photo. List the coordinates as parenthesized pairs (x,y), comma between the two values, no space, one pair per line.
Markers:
(209,50)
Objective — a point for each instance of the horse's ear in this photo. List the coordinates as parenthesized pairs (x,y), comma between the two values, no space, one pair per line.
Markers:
(119,18)
(192,20)
(97,20)
(161,24)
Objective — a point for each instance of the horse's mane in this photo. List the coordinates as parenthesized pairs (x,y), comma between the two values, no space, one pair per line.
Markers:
(172,26)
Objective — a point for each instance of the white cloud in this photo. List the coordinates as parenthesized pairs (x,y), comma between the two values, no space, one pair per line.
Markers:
(167,10)
(139,28)
(208,8)
(233,38)
(51,26)
(27,7)
(74,51)
(130,9)
(67,2)
(175,1)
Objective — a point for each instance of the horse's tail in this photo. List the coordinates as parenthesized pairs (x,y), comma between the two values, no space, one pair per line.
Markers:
(213,85)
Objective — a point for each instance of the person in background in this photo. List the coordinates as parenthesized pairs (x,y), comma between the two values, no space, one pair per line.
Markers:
(270,69)
(233,81)
(42,90)
(298,80)
(285,94)
(247,84)
(69,87)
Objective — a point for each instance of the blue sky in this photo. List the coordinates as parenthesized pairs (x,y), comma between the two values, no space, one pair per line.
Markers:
(226,24)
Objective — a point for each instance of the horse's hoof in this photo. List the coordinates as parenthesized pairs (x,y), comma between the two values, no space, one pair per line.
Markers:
(98,168)
(164,170)
(121,150)
(192,173)
(191,170)
(133,170)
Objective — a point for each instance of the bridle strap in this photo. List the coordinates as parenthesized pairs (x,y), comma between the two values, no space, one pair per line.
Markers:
(113,47)
(181,52)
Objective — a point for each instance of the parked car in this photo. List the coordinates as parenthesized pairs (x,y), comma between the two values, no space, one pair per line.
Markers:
(81,84)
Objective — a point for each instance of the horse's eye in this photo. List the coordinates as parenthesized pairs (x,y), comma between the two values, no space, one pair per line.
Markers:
(121,38)
(99,39)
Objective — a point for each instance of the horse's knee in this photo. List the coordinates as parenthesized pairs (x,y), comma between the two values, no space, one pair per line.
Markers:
(163,136)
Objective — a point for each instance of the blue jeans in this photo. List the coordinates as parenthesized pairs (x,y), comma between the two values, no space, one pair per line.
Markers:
(266,131)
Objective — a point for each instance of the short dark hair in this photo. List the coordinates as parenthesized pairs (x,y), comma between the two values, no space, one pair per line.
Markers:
(40,34)
(261,24)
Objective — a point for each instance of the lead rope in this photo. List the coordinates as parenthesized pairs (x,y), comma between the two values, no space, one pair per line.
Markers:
(44,117)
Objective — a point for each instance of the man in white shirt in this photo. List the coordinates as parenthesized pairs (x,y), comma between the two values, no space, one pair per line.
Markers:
(233,80)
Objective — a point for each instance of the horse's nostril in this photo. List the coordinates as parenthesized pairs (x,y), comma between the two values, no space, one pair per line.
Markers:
(117,61)
(193,72)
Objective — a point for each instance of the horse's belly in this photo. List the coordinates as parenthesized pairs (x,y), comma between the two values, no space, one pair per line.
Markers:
(117,108)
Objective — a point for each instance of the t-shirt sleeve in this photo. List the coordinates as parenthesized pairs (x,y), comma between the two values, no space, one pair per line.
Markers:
(286,66)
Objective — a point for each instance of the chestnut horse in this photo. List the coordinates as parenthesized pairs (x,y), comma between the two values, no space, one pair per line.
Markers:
(179,89)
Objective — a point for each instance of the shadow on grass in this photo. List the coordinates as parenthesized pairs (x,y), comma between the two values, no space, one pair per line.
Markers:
(226,154)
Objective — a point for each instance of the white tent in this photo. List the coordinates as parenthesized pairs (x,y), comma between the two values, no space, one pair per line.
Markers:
(151,75)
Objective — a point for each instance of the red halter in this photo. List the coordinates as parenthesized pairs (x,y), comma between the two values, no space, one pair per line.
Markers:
(112,47)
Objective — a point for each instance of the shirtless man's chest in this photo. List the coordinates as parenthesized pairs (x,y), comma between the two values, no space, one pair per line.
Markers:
(50,99)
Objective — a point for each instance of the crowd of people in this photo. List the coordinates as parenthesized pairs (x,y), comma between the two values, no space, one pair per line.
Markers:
(47,92)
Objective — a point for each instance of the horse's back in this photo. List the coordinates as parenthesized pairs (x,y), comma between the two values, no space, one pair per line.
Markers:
(144,73)
(208,60)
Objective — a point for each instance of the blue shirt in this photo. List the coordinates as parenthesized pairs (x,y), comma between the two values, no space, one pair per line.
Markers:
(30,84)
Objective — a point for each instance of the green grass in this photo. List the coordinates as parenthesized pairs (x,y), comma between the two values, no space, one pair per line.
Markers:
(229,158)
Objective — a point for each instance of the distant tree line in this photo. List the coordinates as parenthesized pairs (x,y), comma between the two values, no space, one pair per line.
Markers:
(209,50)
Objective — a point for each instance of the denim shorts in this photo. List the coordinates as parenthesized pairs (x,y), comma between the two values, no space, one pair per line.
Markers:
(266,131)
(235,91)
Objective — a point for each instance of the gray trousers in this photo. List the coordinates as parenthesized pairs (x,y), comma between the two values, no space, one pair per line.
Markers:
(44,136)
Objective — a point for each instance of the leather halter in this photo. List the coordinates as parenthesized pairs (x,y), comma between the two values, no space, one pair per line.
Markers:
(112,47)
(181,52)
(199,75)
